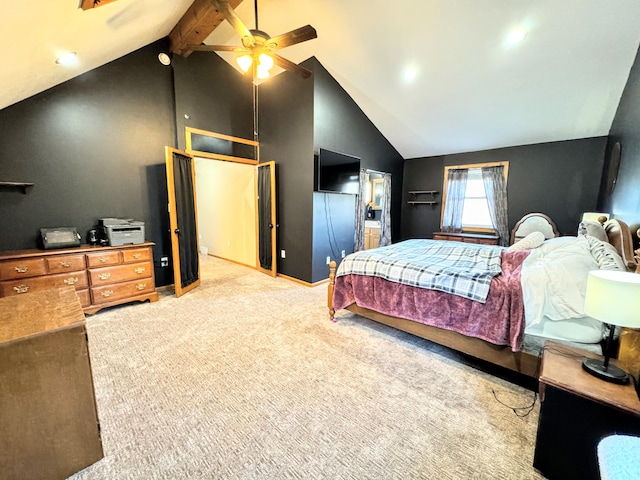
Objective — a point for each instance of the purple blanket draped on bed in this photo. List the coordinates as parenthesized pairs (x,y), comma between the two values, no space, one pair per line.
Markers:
(500,320)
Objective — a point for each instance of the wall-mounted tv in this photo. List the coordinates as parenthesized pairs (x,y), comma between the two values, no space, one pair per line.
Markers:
(337,172)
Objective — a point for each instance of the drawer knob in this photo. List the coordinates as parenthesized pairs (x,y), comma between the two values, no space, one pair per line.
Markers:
(136,255)
(65,264)
(21,288)
(71,280)
(141,286)
(21,269)
(106,293)
(139,270)
(103,259)
(104,276)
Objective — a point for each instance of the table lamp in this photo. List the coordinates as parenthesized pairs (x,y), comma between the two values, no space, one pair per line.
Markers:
(612,297)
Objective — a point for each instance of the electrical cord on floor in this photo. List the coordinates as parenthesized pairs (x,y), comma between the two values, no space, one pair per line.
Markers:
(526,410)
(519,411)
(522,412)
(330,231)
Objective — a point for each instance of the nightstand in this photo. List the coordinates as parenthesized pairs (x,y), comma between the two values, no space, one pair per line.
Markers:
(577,411)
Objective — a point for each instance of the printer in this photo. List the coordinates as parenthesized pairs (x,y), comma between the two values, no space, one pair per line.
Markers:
(121,231)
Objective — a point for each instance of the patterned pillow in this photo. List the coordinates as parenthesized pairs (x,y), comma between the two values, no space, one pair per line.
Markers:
(605,254)
(533,240)
(593,229)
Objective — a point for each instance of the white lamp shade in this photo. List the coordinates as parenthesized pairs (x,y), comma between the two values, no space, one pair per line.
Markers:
(613,297)
(593,216)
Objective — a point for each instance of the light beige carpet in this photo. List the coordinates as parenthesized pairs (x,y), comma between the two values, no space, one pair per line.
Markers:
(246,378)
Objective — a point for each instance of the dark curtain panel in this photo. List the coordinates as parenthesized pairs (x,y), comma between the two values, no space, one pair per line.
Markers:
(496,191)
(265,223)
(385,215)
(361,206)
(454,202)
(186,216)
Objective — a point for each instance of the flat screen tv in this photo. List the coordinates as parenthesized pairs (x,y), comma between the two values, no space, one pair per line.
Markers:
(337,172)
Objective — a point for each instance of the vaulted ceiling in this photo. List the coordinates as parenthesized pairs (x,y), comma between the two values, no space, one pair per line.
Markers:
(434,76)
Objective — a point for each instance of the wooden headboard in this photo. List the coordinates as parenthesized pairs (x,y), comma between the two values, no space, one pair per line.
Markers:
(534,222)
(620,236)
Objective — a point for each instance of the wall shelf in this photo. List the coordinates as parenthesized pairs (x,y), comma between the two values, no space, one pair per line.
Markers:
(417,195)
(24,187)
(419,192)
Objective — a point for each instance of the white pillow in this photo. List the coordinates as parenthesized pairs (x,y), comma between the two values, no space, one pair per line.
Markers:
(533,240)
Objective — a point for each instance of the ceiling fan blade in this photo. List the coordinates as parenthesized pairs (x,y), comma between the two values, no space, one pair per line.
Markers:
(298,35)
(225,9)
(289,65)
(215,48)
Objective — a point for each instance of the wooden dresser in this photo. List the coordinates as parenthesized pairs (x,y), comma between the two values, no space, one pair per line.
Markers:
(484,239)
(49,421)
(102,276)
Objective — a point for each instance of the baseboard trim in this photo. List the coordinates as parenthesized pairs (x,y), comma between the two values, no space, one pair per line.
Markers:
(302,282)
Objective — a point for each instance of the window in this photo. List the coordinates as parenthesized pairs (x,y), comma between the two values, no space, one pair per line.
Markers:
(475,213)
(475,209)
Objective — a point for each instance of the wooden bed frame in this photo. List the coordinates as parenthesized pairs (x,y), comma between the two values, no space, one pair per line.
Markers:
(619,236)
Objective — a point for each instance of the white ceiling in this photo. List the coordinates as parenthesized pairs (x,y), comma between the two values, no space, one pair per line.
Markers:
(472,90)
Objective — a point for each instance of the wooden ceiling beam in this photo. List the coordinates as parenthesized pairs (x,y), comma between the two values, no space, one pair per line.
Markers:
(88,4)
(195,25)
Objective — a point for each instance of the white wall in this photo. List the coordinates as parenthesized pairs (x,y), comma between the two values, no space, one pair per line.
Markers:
(226,209)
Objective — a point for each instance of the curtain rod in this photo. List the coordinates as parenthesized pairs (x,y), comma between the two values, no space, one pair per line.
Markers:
(374,171)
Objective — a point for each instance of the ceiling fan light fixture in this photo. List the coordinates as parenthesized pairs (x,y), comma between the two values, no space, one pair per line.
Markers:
(244,62)
(262,72)
(265,61)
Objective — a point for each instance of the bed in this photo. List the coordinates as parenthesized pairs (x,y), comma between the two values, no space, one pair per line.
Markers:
(508,326)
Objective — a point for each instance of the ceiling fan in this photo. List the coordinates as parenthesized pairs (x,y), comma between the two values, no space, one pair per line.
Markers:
(257,50)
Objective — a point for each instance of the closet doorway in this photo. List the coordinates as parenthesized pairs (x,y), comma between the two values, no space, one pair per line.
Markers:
(237,199)
(235,207)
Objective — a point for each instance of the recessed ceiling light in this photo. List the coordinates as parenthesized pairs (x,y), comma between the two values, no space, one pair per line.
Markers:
(67,59)
(516,36)
(410,74)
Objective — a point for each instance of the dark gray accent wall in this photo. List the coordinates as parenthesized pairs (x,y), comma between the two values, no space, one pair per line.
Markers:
(561,179)
(340,125)
(420,221)
(286,136)
(93,146)
(333,227)
(211,95)
(624,202)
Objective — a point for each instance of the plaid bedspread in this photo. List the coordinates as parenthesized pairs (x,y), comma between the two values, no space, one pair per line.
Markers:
(453,267)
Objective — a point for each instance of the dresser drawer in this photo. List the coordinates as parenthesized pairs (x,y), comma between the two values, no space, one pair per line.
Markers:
(22,268)
(103,259)
(483,241)
(119,291)
(120,273)
(136,255)
(26,285)
(85,297)
(65,263)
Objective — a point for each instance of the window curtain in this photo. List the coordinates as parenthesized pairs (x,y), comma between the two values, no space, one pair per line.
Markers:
(454,203)
(361,207)
(496,191)
(385,214)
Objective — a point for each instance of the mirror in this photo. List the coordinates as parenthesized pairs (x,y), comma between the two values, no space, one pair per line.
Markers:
(377,188)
